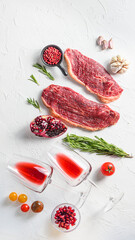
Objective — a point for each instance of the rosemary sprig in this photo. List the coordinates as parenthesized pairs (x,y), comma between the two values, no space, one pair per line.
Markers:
(33,79)
(97,145)
(43,70)
(33,102)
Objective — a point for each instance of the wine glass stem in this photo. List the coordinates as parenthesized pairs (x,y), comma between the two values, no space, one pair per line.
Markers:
(83,196)
(95,185)
(112,200)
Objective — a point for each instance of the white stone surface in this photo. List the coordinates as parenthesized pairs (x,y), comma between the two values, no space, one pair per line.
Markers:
(25,28)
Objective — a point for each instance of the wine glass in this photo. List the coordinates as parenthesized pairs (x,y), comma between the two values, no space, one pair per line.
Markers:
(75,170)
(32,173)
(72,167)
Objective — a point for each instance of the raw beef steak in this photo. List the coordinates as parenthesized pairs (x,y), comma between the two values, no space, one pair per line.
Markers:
(77,110)
(92,75)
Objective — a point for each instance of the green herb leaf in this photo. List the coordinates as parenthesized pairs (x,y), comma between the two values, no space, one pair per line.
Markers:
(109,169)
(33,79)
(97,145)
(33,102)
(43,70)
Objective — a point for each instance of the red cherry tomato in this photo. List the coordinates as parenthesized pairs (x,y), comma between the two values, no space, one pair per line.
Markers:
(107,169)
(25,208)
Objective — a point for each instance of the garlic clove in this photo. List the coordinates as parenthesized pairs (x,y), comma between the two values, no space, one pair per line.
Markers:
(115,69)
(123,70)
(126,66)
(104,44)
(119,58)
(123,60)
(116,64)
(110,44)
(114,59)
(100,40)
(126,62)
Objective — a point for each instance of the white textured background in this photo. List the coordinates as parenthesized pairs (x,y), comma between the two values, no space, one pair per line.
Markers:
(25,28)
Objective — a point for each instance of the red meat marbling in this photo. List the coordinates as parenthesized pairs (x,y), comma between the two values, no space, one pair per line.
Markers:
(92,75)
(77,110)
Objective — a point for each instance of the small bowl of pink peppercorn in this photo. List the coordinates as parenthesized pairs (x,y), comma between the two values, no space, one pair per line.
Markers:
(52,56)
(65,217)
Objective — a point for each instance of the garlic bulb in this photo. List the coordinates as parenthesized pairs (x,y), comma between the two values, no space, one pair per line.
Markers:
(118,65)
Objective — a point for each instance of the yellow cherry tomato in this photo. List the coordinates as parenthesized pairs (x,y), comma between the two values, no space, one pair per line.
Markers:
(13,196)
(22,198)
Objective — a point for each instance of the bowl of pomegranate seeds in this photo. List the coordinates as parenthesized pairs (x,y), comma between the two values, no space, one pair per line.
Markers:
(52,56)
(65,217)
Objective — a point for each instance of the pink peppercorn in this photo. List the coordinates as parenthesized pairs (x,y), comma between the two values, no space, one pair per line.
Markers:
(52,56)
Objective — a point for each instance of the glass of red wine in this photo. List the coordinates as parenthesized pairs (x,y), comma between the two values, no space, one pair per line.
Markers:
(72,167)
(75,170)
(34,174)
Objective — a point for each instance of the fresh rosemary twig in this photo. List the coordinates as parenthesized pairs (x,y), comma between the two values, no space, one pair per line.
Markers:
(43,70)
(97,145)
(33,102)
(33,79)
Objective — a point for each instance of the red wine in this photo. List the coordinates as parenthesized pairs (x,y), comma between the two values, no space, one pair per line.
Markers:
(70,167)
(32,172)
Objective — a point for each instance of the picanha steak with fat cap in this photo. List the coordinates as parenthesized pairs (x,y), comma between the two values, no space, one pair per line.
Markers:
(77,110)
(92,75)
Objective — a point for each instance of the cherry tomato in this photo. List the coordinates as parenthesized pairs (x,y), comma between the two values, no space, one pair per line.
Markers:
(13,196)
(107,169)
(22,198)
(37,206)
(25,207)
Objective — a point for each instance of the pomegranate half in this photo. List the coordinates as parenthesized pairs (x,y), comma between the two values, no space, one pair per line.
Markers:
(47,126)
